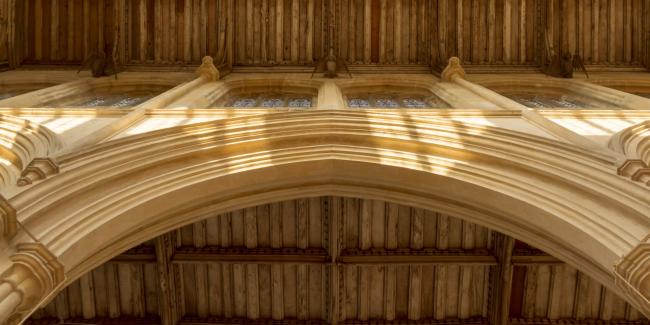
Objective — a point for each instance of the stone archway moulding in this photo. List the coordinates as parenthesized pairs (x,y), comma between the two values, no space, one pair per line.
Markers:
(634,143)
(566,200)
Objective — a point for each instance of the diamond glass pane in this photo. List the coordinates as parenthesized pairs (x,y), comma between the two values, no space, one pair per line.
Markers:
(244,102)
(358,102)
(300,102)
(272,102)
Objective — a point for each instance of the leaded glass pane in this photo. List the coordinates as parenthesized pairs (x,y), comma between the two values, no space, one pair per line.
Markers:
(567,102)
(94,102)
(244,102)
(272,102)
(358,102)
(548,101)
(386,103)
(414,103)
(300,102)
(131,101)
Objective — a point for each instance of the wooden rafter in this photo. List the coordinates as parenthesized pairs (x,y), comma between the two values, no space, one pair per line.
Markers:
(501,280)
(168,295)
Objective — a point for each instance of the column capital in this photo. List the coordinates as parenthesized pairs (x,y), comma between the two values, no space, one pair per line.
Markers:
(34,273)
(452,70)
(38,169)
(633,275)
(208,70)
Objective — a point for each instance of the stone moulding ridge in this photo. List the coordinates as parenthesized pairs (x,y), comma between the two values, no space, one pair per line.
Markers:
(35,272)
(8,222)
(632,274)
(457,168)
(634,143)
(20,142)
(38,169)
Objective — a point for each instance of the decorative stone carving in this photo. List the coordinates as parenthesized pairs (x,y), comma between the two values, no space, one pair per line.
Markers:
(8,223)
(633,275)
(634,143)
(34,274)
(38,169)
(453,69)
(207,69)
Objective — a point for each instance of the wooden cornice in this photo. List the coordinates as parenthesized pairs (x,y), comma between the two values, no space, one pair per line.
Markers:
(185,255)
(545,321)
(239,321)
(95,321)
(191,255)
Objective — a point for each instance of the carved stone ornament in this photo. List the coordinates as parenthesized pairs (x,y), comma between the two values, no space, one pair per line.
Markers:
(38,169)
(633,275)
(35,272)
(208,70)
(453,69)
(8,223)
(637,170)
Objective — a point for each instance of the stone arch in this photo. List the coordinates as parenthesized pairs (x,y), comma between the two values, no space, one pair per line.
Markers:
(565,200)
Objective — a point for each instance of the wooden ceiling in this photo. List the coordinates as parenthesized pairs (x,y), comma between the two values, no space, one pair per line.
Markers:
(332,260)
(490,35)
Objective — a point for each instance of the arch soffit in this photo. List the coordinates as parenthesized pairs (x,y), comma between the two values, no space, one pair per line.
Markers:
(553,195)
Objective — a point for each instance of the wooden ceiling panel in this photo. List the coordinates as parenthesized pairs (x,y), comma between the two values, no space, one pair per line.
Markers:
(284,32)
(602,31)
(414,292)
(371,224)
(113,290)
(255,291)
(490,34)
(330,260)
(560,291)
(384,32)
(289,224)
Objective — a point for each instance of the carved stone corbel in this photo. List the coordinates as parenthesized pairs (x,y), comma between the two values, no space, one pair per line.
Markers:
(207,69)
(8,221)
(35,272)
(635,169)
(633,275)
(453,69)
(38,169)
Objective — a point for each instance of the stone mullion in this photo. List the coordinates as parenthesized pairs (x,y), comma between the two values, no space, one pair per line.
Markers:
(455,73)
